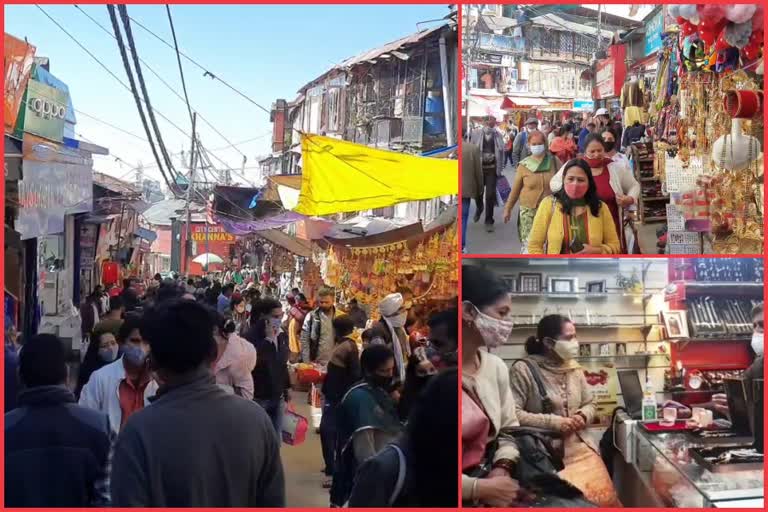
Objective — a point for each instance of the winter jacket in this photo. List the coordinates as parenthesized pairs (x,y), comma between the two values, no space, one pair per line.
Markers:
(57,453)
(11,378)
(271,380)
(198,446)
(471,171)
(102,392)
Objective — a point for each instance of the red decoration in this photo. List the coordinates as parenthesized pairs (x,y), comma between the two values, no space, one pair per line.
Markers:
(110,273)
(711,14)
(687,29)
(721,44)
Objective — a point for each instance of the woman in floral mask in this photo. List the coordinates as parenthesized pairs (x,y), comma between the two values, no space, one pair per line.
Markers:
(574,220)
(568,406)
(487,404)
(616,187)
(531,183)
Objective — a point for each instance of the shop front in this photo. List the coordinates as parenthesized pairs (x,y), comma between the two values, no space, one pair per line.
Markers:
(667,352)
(610,74)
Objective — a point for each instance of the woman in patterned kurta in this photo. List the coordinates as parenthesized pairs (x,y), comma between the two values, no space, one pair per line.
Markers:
(553,350)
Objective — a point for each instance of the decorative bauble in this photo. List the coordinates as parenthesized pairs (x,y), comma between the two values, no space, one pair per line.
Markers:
(740,13)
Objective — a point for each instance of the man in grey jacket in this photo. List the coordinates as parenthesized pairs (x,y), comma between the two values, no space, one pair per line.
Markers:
(196,445)
(520,149)
(491,143)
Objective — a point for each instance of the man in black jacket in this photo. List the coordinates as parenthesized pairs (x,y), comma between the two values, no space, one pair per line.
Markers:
(49,434)
(271,383)
(196,445)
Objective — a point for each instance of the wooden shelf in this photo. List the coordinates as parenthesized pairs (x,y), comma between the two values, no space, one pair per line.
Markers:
(654,178)
(655,219)
(652,199)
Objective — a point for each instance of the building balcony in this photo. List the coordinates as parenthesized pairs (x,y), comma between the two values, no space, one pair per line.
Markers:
(500,43)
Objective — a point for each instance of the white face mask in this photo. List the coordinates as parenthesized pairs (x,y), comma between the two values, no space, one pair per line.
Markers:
(538,149)
(495,331)
(567,350)
(757,343)
(531,129)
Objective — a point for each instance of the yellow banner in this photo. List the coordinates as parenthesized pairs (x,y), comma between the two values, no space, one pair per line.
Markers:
(340,176)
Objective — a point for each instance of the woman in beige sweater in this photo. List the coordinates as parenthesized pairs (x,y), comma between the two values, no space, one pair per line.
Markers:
(531,184)
(553,351)
(487,404)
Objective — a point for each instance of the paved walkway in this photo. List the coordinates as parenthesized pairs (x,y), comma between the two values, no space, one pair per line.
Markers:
(504,239)
(303,466)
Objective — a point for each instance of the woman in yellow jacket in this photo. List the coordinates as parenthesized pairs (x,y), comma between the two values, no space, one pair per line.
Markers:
(573,220)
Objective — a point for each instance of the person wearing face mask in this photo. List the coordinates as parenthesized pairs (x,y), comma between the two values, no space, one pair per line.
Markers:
(491,144)
(237,312)
(101,351)
(616,186)
(754,372)
(125,386)
(520,148)
(236,358)
(487,404)
(562,145)
(531,184)
(392,323)
(568,406)
(574,220)
(343,373)
(367,419)
(612,149)
(271,382)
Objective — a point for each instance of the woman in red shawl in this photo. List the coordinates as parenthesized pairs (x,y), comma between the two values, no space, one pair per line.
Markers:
(563,146)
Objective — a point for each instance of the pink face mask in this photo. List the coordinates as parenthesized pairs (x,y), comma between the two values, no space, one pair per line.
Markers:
(576,190)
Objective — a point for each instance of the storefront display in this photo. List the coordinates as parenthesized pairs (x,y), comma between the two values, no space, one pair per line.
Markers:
(668,343)
(706,127)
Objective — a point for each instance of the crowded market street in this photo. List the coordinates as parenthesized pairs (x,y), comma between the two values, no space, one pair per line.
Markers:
(196,322)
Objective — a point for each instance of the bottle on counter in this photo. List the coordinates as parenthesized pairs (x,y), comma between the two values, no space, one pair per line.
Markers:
(650,406)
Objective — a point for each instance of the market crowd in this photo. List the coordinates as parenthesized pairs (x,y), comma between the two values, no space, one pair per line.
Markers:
(573,183)
(180,398)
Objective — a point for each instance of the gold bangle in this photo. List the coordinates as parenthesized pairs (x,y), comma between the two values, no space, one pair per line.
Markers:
(474,499)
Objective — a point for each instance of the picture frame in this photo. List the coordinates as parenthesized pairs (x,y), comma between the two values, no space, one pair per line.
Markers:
(563,285)
(511,282)
(676,324)
(596,287)
(529,282)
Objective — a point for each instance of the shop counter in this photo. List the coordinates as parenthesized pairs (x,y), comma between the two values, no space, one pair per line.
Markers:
(656,470)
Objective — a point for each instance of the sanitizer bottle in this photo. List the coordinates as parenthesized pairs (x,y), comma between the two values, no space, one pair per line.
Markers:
(650,407)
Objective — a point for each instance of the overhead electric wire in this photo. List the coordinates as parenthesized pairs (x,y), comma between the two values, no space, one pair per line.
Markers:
(166,84)
(203,68)
(123,10)
(178,59)
(139,106)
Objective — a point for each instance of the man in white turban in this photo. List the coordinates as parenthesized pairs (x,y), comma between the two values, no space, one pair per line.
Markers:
(394,315)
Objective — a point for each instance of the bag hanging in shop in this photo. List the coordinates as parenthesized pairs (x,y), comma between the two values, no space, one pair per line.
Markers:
(294,427)
(503,189)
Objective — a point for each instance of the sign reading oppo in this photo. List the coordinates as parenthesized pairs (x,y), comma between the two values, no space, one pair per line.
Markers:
(46,108)
(45,111)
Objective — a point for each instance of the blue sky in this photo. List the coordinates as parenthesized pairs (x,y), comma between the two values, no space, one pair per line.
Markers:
(268,52)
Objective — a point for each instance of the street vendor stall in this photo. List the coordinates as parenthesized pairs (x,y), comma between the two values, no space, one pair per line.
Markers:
(700,160)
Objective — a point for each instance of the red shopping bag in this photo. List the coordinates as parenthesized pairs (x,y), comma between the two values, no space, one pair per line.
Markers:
(295,426)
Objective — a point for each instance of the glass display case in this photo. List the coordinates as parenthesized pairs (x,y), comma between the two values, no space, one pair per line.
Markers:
(666,465)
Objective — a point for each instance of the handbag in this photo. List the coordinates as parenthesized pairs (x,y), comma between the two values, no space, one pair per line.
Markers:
(503,189)
(294,427)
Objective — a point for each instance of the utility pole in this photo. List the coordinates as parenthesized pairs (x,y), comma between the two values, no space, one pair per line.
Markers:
(190,182)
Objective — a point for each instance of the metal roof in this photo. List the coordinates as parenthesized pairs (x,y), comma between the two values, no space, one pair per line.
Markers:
(380,52)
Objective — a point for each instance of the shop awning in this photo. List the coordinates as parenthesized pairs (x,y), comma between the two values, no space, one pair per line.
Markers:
(298,247)
(513,102)
(484,106)
(340,176)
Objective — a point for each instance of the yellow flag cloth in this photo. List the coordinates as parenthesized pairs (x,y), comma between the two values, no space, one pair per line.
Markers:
(340,176)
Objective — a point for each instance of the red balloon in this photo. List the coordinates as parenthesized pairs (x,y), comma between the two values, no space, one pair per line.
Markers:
(757,18)
(680,20)
(751,52)
(757,36)
(707,36)
(687,29)
(721,43)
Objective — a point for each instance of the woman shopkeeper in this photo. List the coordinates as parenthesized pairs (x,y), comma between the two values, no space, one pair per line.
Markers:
(616,186)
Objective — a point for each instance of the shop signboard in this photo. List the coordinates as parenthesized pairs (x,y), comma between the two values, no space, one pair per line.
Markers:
(490,58)
(611,73)
(602,382)
(653,31)
(58,181)
(584,106)
(219,241)
(18,57)
(45,111)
